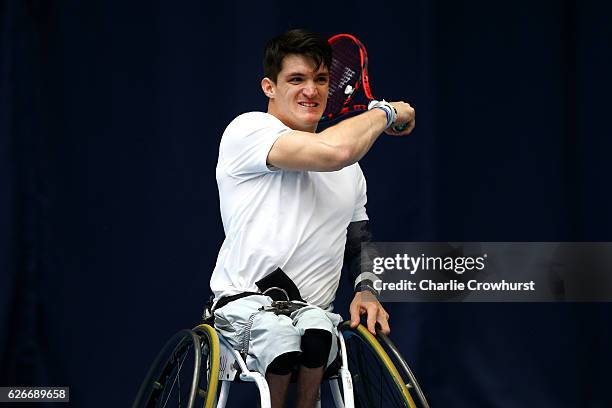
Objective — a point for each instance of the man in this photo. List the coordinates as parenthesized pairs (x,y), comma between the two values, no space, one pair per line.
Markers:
(287,197)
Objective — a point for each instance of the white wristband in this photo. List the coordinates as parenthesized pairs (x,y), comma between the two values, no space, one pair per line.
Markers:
(388,108)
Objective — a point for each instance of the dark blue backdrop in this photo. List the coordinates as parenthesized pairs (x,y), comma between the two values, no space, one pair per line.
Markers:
(110,116)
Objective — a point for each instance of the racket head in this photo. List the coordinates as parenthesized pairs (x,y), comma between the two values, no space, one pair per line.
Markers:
(349,86)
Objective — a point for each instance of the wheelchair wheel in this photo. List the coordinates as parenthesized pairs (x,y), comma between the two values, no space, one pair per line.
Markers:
(177,377)
(413,385)
(376,381)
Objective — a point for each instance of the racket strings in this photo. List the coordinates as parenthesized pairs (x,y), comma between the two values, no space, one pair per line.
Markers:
(345,74)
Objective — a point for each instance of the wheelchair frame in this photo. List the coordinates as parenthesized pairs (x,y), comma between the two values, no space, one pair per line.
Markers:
(229,357)
(227,363)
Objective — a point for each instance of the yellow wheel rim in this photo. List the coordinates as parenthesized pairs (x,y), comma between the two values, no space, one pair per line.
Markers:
(213,380)
(384,358)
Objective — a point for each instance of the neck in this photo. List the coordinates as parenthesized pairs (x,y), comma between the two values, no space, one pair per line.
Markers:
(304,128)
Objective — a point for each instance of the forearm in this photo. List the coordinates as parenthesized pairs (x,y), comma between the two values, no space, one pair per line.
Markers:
(355,136)
(358,257)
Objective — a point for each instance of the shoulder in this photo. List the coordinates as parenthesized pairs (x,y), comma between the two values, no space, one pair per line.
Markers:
(252,128)
(253,120)
(246,143)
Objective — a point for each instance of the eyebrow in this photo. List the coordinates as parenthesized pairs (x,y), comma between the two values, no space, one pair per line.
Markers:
(294,74)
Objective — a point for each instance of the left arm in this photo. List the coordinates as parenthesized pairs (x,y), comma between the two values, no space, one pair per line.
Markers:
(358,263)
(366,303)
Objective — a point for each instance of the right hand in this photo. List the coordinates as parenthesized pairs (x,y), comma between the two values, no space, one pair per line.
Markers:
(405,114)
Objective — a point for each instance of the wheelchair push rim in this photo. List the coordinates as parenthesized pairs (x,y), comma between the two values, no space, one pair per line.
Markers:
(376,380)
(177,369)
(403,366)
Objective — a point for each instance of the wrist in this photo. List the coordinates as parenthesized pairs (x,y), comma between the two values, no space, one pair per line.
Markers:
(385,112)
(367,285)
(390,111)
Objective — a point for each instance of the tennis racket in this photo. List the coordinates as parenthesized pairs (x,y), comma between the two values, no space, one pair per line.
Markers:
(349,84)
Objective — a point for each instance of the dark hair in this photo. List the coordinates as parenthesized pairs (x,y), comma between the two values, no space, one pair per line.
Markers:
(298,41)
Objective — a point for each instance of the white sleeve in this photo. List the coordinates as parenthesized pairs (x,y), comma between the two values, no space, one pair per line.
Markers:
(359,213)
(246,142)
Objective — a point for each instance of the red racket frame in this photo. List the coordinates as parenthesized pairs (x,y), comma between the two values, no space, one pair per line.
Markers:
(364,80)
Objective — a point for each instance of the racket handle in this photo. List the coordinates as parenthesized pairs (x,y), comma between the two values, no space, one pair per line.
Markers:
(401,127)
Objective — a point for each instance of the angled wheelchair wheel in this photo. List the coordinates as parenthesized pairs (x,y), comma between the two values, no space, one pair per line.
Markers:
(377,382)
(185,372)
(405,371)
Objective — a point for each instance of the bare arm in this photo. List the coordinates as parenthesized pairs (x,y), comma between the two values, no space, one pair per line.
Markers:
(336,147)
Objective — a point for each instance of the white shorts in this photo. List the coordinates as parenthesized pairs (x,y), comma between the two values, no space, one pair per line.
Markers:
(266,335)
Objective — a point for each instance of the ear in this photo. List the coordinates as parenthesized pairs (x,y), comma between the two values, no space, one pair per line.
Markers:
(268,87)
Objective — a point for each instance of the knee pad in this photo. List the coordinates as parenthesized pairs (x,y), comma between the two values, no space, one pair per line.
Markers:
(283,364)
(316,344)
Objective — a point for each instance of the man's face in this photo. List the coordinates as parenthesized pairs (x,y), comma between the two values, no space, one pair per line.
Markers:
(299,96)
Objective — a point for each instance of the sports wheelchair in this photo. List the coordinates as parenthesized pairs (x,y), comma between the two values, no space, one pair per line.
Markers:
(199,366)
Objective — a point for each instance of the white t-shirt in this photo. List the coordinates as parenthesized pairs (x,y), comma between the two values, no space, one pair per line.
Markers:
(293,220)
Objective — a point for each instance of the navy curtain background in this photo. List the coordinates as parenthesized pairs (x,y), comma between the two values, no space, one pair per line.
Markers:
(110,117)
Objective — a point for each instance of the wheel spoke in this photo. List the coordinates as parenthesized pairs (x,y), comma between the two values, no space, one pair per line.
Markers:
(175,379)
(177,370)
(376,382)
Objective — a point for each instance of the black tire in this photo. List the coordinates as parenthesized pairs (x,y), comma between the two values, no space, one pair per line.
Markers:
(376,381)
(175,379)
(405,371)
